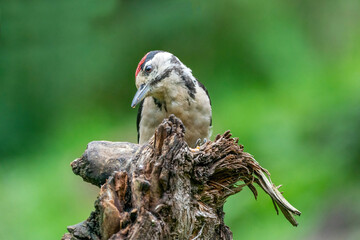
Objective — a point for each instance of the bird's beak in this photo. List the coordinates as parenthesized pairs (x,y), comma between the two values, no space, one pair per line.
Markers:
(140,94)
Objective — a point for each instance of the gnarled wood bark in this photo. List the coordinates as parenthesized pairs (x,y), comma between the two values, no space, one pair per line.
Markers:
(166,190)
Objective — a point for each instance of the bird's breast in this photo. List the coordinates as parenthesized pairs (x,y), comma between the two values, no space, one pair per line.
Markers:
(194,113)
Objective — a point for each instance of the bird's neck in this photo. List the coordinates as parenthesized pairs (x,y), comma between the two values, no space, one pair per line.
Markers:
(172,92)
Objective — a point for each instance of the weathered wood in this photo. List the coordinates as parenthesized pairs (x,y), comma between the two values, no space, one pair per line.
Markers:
(166,190)
(103,158)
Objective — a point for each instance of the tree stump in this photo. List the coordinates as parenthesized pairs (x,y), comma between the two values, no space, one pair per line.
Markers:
(166,190)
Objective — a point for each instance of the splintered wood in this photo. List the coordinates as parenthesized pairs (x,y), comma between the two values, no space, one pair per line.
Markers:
(166,190)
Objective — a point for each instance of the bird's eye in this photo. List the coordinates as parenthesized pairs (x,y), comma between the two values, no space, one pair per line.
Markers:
(148,68)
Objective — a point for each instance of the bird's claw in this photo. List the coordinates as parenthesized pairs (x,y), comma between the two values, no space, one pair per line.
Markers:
(200,142)
(197,144)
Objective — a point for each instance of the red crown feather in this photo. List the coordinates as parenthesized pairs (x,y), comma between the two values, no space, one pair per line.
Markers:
(139,65)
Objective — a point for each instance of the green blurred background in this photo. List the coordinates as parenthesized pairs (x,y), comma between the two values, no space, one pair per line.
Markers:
(284,77)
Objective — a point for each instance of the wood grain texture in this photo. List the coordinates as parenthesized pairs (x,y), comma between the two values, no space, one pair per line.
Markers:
(166,190)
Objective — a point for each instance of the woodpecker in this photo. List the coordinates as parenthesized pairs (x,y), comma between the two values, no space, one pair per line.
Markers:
(166,86)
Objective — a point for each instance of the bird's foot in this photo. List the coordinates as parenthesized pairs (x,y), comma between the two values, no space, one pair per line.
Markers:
(194,150)
(197,144)
(200,142)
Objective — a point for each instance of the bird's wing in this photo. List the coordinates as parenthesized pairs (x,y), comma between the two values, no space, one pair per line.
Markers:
(207,93)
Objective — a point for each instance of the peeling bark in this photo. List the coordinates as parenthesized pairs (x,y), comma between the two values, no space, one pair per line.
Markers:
(166,190)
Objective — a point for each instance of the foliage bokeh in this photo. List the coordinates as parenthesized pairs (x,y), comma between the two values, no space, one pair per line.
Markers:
(284,76)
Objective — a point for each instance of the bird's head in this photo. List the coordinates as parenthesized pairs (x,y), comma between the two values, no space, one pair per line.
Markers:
(156,71)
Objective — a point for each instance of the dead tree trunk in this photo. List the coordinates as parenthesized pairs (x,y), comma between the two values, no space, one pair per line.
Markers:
(165,190)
